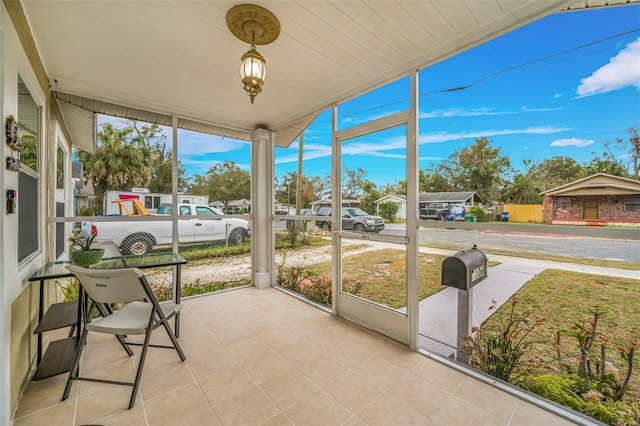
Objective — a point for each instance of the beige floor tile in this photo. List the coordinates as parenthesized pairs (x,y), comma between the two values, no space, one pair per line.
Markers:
(435,372)
(234,334)
(388,410)
(161,380)
(419,394)
(176,405)
(382,372)
(44,394)
(108,400)
(353,390)
(400,355)
(484,396)
(264,357)
(135,416)
(225,384)
(262,368)
(322,369)
(458,412)
(204,418)
(288,388)
(296,352)
(248,349)
(278,420)
(350,353)
(354,421)
(203,363)
(318,408)
(60,414)
(251,406)
(529,415)
(123,371)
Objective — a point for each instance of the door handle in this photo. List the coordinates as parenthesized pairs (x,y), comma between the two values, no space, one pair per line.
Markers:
(198,224)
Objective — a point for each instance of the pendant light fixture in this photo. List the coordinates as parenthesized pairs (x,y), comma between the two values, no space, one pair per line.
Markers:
(255,25)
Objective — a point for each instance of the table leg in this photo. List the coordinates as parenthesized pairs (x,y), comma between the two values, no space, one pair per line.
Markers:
(40,316)
(177,290)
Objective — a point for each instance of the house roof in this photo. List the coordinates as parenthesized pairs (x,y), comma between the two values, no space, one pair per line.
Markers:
(449,197)
(397,197)
(597,184)
(151,60)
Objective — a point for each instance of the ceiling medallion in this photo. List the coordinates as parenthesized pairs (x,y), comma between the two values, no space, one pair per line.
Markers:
(255,25)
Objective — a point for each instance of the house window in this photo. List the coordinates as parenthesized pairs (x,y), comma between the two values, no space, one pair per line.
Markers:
(563,201)
(632,203)
(28,178)
(151,201)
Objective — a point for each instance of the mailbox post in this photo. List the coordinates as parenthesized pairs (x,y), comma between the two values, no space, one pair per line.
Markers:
(464,270)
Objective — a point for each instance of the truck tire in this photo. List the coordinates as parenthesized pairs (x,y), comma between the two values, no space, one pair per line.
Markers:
(237,236)
(358,227)
(325,226)
(138,244)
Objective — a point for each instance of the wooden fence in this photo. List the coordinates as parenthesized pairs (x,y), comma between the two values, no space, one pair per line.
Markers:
(522,212)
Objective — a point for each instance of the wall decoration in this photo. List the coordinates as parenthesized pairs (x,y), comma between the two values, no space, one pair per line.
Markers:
(14,140)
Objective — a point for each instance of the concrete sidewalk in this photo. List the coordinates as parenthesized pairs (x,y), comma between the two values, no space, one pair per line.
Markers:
(438,313)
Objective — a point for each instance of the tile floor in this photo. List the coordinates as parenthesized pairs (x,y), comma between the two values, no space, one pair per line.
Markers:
(264,357)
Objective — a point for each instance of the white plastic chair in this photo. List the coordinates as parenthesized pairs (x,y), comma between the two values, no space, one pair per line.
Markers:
(141,315)
(110,248)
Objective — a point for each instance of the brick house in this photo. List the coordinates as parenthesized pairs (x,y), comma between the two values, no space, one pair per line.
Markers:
(599,199)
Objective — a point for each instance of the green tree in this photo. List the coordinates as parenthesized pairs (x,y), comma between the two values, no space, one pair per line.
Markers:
(555,171)
(630,161)
(352,182)
(434,182)
(226,182)
(478,167)
(161,175)
(369,195)
(388,210)
(600,165)
(287,189)
(522,190)
(123,159)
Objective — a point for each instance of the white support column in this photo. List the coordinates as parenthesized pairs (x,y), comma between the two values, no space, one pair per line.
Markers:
(413,170)
(262,244)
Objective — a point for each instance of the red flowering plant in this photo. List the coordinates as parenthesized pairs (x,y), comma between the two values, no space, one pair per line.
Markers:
(592,360)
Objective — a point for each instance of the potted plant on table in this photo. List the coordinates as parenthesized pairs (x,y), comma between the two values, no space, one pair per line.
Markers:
(81,252)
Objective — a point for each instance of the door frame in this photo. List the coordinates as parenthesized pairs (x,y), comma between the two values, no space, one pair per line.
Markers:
(397,325)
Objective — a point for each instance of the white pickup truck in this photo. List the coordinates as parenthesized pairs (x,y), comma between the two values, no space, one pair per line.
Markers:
(139,237)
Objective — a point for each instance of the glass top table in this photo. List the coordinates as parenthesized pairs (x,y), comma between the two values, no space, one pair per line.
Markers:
(55,270)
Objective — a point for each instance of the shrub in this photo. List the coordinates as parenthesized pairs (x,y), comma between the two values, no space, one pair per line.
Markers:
(500,351)
(479,213)
(570,390)
(388,210)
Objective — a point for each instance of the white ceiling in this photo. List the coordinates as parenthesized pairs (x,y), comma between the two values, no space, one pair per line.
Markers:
(178,57)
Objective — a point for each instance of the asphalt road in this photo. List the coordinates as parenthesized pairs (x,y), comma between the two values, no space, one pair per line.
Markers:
(590,242)
(620,244)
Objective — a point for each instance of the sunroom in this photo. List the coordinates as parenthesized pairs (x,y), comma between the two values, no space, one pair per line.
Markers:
(175,64)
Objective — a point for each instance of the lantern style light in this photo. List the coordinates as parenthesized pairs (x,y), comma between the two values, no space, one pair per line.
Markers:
(253,72)
(256,25)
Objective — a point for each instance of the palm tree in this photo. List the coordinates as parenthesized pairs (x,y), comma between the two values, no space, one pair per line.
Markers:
(122,160)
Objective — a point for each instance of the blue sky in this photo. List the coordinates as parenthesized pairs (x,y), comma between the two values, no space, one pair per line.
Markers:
(558,87)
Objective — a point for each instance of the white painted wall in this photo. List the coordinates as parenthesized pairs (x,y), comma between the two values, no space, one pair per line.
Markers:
(14,61)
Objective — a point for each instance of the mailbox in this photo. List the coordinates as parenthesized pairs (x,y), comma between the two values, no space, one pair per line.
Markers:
(464,269)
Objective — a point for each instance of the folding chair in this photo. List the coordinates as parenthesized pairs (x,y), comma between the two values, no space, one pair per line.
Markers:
(141,315)
(110,248)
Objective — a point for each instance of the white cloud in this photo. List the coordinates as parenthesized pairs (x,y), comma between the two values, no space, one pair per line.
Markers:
(623,70)
(479,112)
(385,149)
(445,137)
(557,95)
(580,143)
